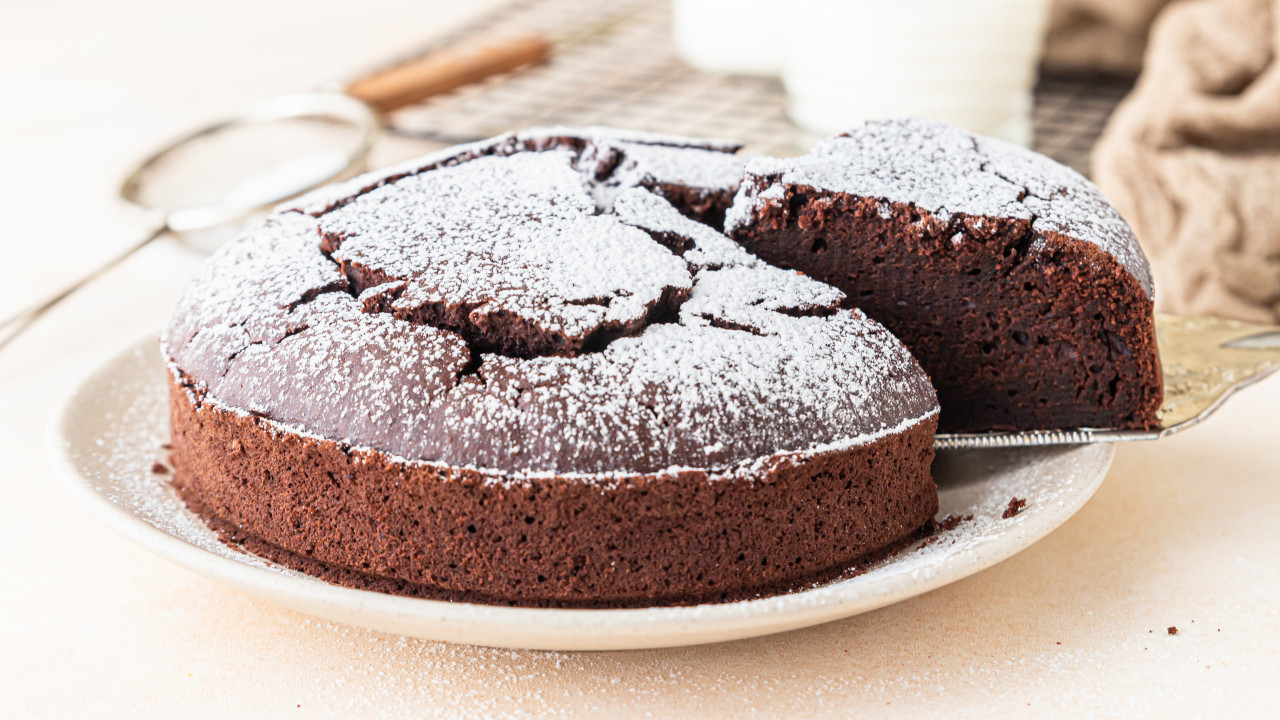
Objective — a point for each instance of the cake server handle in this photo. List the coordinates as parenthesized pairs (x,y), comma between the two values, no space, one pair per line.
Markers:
(13,326)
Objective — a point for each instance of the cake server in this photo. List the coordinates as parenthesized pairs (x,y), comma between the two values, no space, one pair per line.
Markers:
(1205,361)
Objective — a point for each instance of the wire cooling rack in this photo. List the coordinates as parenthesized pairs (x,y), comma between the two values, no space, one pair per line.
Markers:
(614,63)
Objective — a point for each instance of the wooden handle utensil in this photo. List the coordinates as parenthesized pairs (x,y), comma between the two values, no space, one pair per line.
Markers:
(448,68)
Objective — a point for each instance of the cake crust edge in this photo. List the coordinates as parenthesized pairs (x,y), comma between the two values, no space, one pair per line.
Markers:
(360,518)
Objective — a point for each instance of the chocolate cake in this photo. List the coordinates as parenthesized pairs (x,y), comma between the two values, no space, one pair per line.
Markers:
(1013,281)
(520,372)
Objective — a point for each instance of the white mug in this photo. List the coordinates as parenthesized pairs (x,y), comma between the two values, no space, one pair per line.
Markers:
(969,63)
(738,37)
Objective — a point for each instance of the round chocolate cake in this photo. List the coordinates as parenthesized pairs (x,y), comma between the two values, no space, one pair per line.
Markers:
(523,372)
(1019,288)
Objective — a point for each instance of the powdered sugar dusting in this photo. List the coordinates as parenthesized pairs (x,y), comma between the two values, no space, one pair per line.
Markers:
(947,171)
(757,362)
(322,200)
(710,249)
(765,299)
(507,241)
(612,159)
(691,167)
(602,134)
(1064,202)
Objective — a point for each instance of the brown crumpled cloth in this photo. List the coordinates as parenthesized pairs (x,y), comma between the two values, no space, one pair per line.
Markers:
(1192,158)
(1099,36)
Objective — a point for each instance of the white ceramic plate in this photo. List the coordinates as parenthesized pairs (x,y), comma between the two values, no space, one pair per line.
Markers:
(108,433)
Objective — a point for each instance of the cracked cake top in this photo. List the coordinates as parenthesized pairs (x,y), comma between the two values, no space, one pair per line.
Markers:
(950,174)
(492,308)
(613,159)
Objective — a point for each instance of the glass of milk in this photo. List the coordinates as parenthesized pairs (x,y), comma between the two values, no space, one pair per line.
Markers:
(738,37)
(970,63)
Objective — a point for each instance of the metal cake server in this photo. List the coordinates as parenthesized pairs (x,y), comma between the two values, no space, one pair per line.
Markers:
(1205,361)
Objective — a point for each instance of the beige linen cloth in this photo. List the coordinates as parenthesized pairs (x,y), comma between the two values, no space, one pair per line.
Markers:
(1192,158)
(1099,36)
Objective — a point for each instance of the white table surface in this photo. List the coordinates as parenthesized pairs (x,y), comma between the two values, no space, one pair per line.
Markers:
(1184,533)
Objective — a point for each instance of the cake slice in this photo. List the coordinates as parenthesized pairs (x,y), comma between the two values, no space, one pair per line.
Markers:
(1018,287)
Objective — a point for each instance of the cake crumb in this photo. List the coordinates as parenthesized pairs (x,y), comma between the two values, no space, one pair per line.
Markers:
(159,468)
(1015,506)
(1173,630)
(950,522)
